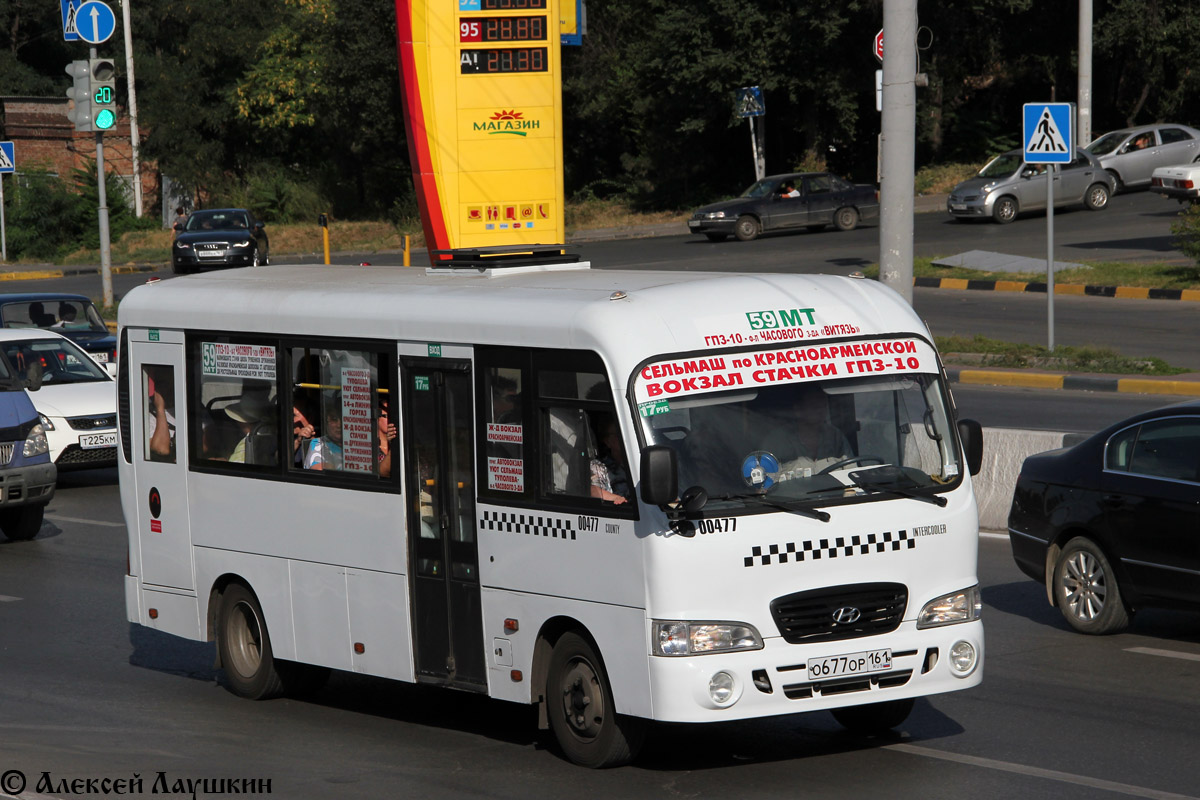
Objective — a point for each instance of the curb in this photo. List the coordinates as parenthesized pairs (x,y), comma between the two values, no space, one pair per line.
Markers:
(1078,289)
(43,274)
(1088,383)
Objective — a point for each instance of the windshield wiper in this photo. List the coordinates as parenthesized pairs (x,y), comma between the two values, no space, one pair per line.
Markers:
(893,474)
(816,514)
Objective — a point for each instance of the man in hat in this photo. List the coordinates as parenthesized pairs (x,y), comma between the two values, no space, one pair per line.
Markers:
(250,413)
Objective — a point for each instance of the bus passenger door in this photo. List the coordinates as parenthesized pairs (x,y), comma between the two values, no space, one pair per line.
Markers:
(443,551)
(158,411)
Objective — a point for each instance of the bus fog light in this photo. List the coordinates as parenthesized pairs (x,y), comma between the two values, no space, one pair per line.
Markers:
(721,688)
(963,658)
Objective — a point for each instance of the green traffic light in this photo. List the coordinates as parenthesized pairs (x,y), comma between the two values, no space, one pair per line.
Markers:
(105,119)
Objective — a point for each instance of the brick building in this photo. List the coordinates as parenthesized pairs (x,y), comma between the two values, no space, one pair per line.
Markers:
(43,137)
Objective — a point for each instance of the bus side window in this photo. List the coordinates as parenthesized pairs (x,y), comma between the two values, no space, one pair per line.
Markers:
(158,389)
(237,399)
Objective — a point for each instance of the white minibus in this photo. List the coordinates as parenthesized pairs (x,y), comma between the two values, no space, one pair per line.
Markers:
(622,496)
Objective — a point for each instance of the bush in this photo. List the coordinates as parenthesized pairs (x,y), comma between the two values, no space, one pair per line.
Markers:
(48,217)
(1187,232)
(274,194)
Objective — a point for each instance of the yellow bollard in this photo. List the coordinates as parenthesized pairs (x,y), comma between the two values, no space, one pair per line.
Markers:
(407,252)
(323,221)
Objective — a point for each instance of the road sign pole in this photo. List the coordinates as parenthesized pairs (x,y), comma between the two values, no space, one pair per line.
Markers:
(3,232)
(102,192)
(1051,169)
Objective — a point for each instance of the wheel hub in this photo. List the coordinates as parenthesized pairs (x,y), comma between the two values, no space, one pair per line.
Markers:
(583,702)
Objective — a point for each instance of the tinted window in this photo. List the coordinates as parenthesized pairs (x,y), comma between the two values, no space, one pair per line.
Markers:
(1168,448)
(1170,135)
(817,184)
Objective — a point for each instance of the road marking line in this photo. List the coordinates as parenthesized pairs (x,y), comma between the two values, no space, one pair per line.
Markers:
(1037,772)
(984,535)
(102,523)
(1153,651)
(5,598)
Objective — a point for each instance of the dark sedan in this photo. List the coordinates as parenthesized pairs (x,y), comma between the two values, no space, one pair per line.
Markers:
(222,237)
(809,200)
(72,315)
(1112,524)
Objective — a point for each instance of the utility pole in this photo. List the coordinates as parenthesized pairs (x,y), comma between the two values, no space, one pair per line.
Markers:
(134,138)
(897,171)
(1083,103)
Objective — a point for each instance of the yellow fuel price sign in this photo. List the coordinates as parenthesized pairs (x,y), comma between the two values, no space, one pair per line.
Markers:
(483,109)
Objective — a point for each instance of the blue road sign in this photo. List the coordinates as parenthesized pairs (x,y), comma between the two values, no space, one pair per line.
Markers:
(1049,134)
(8,158)
(95,22)
(750,102)
(68,8)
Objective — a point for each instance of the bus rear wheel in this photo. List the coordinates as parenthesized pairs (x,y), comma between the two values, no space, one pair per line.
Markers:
(874,718)
(245,646)
(581,709)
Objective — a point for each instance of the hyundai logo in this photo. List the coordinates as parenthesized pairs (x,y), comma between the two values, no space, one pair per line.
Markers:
(847,615)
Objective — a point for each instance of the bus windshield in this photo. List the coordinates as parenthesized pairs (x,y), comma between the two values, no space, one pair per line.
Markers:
(818,443)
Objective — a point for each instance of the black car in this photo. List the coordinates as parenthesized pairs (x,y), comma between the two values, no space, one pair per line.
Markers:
(809,200)
(1112,524)
(220,237)
(72,315)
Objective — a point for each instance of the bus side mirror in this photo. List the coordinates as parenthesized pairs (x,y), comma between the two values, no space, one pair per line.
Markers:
(971,433)
(660,475)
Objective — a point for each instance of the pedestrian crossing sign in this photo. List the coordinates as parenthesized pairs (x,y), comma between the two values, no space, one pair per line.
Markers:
(1049,134)
(8,158)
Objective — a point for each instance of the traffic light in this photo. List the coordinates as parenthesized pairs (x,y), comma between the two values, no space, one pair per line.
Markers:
(81,93)
(104,93)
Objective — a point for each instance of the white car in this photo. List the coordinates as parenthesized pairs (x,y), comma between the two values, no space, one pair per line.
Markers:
(75,396)
(1181,182)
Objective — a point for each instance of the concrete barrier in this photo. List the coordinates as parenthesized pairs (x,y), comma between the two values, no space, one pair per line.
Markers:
(1004,450)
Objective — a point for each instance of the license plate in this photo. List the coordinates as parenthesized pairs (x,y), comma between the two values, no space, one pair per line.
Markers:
(99,358)
(958,207)
(693,223)
(849,664)
(92,441)
(210,253)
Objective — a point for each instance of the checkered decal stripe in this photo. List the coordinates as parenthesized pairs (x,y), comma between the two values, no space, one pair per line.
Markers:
(827,548)
(531,524)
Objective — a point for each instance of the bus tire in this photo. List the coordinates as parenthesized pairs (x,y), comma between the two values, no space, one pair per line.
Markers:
(245,646)
(23,523)
(582,713)
(874,718)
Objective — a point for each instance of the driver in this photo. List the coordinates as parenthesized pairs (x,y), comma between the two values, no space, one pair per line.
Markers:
(812,442)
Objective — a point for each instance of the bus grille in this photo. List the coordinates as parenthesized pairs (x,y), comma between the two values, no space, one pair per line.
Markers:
(812,616)
(6,453)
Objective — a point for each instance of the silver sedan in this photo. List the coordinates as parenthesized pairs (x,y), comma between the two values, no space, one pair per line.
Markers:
(1132,154)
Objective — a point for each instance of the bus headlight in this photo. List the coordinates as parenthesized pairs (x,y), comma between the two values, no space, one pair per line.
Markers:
(680,638)
(35,442)
(964,605)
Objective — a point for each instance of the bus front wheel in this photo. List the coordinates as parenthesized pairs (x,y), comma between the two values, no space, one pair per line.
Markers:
(245,646)
(581,709)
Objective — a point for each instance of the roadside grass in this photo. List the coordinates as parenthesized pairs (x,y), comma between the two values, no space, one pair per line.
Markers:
(1149,274)
(983,352)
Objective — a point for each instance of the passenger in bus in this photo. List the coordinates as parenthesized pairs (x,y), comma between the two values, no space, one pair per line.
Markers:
(610,476)
(812,441)
(325,452)
(160,414)
(302,432)
(254,415)
(385,430)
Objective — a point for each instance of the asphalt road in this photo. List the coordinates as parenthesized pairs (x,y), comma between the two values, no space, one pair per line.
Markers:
(87,696)
(1134,227)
